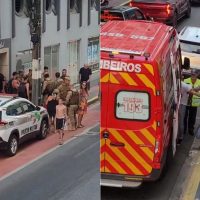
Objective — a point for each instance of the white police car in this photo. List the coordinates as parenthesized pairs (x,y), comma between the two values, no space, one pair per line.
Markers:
(190,46)
(20,120)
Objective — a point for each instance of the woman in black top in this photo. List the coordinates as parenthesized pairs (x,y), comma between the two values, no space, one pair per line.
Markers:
(51,103)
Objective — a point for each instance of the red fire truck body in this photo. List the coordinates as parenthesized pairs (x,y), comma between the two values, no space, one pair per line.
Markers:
(140,95)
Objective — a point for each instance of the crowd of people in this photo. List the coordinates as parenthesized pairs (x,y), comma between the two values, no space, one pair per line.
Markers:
(66,105)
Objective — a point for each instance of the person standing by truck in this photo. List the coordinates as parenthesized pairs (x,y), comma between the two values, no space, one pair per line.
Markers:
(193,102)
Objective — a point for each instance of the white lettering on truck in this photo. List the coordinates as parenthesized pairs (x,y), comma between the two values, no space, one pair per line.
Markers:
(120,66)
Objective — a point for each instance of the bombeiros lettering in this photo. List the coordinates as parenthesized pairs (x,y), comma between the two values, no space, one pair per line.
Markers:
(120,66)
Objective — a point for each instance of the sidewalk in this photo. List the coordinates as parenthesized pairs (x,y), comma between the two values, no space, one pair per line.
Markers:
(187,186)
(34,149)
(191,186)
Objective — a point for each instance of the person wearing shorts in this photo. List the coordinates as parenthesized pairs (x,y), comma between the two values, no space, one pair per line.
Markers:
(61,114)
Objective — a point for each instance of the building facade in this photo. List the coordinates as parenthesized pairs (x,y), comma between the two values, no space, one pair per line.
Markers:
(69,36)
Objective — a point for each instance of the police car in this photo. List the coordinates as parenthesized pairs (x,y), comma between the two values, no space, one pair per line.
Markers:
(190,46)
(20,120)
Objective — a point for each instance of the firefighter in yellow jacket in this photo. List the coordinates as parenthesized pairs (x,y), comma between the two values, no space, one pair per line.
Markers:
(193,102)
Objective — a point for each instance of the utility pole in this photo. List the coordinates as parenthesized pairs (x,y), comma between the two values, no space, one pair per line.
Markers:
(35,20)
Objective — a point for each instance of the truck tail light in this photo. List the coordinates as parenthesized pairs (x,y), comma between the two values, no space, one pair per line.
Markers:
(168,9)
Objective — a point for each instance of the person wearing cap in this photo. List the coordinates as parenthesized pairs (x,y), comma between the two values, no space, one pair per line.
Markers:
(64,87)
(193,102)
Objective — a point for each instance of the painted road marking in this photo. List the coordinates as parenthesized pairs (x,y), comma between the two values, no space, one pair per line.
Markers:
(197,197)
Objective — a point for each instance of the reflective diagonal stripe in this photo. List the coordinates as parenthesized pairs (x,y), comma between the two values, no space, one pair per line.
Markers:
(110,168)
(115,164)
(136,139)
(149,136)
(105,78)
(130,167)
(142,140)
(128,78)
(149,67)
(112,79)
(147,82)
(107,170)
(139,155)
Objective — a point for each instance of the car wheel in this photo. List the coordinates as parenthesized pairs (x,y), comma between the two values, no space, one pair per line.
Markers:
(12,145)
(188,12)
(43,129)
(174,22)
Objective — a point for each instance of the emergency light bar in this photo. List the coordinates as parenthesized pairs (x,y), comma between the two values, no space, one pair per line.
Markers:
(139,53)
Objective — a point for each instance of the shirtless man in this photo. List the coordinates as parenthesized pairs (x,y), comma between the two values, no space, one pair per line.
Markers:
(61,115)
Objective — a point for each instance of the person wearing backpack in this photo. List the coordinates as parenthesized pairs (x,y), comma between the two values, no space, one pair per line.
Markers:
(23,89)
(72,101)
(48,87)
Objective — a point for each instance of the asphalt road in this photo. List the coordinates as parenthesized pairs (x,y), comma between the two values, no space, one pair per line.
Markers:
(71,172)
(163,189)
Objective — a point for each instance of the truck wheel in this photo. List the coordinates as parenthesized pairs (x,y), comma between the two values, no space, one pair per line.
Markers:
(43,129)
(12,145)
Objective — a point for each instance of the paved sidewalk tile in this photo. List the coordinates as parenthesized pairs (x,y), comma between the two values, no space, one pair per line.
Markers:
(33,149)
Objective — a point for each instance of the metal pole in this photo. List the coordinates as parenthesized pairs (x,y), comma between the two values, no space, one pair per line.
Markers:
(36,52)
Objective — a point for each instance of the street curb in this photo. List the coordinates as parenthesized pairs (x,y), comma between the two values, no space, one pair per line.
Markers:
(93,100)
(191,184)
(182,188)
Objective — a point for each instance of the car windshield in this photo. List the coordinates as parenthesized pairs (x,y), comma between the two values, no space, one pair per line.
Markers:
(190,48)
(151,1)
(111,16)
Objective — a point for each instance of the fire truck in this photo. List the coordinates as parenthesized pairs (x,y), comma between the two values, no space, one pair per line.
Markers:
(140,96)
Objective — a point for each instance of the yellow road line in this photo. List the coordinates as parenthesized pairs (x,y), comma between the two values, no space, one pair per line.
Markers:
(193,182)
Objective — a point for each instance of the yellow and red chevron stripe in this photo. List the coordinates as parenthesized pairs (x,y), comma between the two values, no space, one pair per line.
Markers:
(134,79)
(134,158)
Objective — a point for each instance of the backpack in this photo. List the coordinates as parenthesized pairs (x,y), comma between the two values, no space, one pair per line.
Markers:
(75,98)
(22,90)
(50,87)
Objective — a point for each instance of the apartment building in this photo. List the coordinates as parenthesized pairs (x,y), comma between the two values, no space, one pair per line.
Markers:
(69,36)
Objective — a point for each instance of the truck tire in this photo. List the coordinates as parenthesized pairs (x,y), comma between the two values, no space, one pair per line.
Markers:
(43,129)
(12,145)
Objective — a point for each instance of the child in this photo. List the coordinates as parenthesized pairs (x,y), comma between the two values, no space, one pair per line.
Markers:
(61,114)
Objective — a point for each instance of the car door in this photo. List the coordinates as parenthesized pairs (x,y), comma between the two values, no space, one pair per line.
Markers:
(31,115)
(15,113)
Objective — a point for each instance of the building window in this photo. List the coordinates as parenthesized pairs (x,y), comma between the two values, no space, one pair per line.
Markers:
(93,53)
(19,6)
(73,60)
(51,59)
